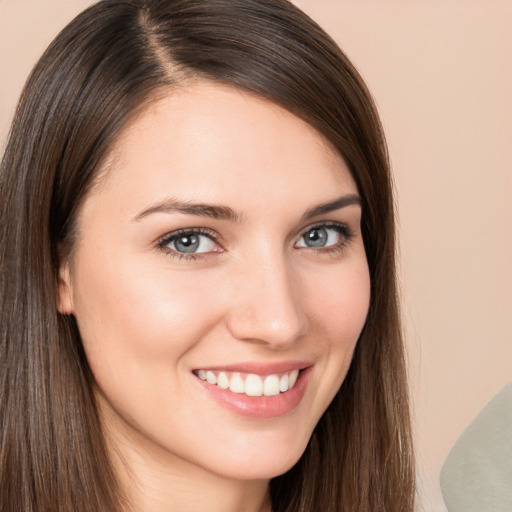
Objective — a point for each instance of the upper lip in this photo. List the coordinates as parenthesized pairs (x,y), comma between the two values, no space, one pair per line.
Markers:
(259,368)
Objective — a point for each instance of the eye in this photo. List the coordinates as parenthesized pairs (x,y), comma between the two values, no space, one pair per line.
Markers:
(324,236)
(189,242)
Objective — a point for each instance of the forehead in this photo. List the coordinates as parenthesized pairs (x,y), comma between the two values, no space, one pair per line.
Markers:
(208,138)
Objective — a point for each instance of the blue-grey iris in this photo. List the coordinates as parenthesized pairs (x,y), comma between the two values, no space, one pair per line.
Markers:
(187,243)
(316,237)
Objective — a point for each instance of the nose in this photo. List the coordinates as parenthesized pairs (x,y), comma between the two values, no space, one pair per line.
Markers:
(266,305)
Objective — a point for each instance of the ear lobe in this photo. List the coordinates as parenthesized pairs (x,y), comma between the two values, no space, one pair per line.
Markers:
(65,296)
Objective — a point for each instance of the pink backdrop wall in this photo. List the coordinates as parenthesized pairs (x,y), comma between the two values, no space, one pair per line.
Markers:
(441,75)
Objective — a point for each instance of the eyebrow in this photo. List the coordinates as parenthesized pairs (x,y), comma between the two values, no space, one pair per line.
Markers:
(201,209)
(226,213)
(331,206)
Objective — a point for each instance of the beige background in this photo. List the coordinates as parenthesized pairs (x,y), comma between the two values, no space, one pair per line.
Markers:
(441,75)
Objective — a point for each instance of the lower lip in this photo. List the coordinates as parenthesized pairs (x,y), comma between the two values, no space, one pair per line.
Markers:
(261,407)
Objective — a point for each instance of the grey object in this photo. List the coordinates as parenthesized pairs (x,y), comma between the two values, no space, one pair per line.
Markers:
(477,474)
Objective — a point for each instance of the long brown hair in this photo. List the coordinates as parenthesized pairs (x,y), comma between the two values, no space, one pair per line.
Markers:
(103,68)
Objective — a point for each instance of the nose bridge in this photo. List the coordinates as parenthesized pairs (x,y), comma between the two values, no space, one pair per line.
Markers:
(266,306)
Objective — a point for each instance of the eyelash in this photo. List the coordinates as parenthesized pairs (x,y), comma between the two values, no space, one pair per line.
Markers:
(345,232)
(171,237)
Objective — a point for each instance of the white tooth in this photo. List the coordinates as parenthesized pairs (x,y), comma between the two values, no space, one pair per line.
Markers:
(236,384)
(292,378)
(210,377)
(201,374)
(222,381)
(253,385)
(283,383)
(271,385)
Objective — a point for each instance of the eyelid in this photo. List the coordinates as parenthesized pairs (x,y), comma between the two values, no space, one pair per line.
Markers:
(166,239)
(188,231)
(325,224)
(345,231)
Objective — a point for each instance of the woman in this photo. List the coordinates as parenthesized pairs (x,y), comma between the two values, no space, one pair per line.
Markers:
(198,288)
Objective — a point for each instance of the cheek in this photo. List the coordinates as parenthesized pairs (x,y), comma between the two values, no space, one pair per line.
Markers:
(341,301)
(136,316)
(338,312)
(138,329)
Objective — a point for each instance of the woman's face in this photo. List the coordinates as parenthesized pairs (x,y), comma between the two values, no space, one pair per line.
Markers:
(220,256)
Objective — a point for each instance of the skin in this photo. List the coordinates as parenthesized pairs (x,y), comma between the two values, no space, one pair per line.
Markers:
(148,316)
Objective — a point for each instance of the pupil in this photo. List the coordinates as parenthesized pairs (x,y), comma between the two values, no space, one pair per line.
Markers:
(187,243)
(316,237)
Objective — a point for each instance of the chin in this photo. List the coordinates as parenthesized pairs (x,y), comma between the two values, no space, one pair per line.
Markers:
(262,463)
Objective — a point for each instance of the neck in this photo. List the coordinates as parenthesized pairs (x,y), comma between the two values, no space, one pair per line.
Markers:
(175,489)
(155,481)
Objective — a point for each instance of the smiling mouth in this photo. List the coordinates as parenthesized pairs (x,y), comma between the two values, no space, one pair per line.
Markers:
(250,384)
